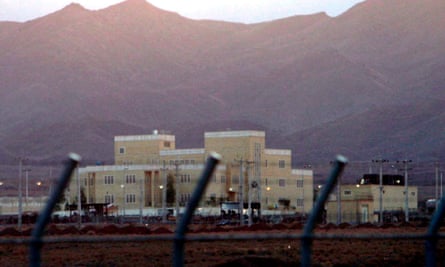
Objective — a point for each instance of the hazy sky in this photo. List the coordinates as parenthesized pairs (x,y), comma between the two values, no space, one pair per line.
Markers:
(247,11)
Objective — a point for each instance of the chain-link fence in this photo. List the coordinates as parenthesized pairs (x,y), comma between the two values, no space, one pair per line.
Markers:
(306,237)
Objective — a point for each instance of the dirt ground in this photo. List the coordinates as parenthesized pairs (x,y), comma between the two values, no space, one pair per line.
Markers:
(264,252)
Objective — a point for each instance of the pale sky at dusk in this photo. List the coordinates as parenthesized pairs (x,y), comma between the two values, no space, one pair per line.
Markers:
(247,11)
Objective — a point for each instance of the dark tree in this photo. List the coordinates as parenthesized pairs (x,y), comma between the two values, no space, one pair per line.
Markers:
(171,192)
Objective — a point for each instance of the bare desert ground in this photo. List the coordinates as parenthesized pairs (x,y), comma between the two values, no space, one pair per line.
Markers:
(257,252)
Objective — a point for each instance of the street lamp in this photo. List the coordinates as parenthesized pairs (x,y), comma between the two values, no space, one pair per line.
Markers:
(267,198)
(39,184)
(161,188)
(20,210)
(1,184)
(27,170)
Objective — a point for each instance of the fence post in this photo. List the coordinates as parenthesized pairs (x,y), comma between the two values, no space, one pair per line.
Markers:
(306,239)
(36,242)
(432,236)
(212,161)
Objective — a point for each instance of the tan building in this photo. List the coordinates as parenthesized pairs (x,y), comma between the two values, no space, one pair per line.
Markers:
(248,171)
(361,203)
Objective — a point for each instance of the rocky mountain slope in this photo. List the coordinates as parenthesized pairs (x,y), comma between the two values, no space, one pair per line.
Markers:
(366,83)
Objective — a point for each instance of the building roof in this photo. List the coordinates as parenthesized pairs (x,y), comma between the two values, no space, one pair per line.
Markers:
(148,137)
(234,134)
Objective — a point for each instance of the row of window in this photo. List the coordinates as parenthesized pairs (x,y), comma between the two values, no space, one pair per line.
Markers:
(282,182)
(281,163)
(186,179)
(129,198)
(349,192)
(129,179)
(299,202)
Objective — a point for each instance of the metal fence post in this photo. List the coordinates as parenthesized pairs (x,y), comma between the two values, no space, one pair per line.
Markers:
(306,239)
(432,234)
(36,242)
(179,239)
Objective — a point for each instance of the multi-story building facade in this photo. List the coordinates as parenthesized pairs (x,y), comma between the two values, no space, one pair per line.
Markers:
(147,165)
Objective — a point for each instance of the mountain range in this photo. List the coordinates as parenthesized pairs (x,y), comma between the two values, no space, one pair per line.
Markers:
(368,83)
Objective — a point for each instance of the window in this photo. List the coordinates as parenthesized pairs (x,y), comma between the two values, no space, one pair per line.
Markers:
(265,181)
(300,202)
(122,150)
(235,180)
(347,192)
(109,179)
(300,183)
(282,182)
(130,198)
(109,198)
(223,179)
(281,164)
(130,178)
(166,144)
(185,178)
(192,161)
(185,197)
(265,164)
